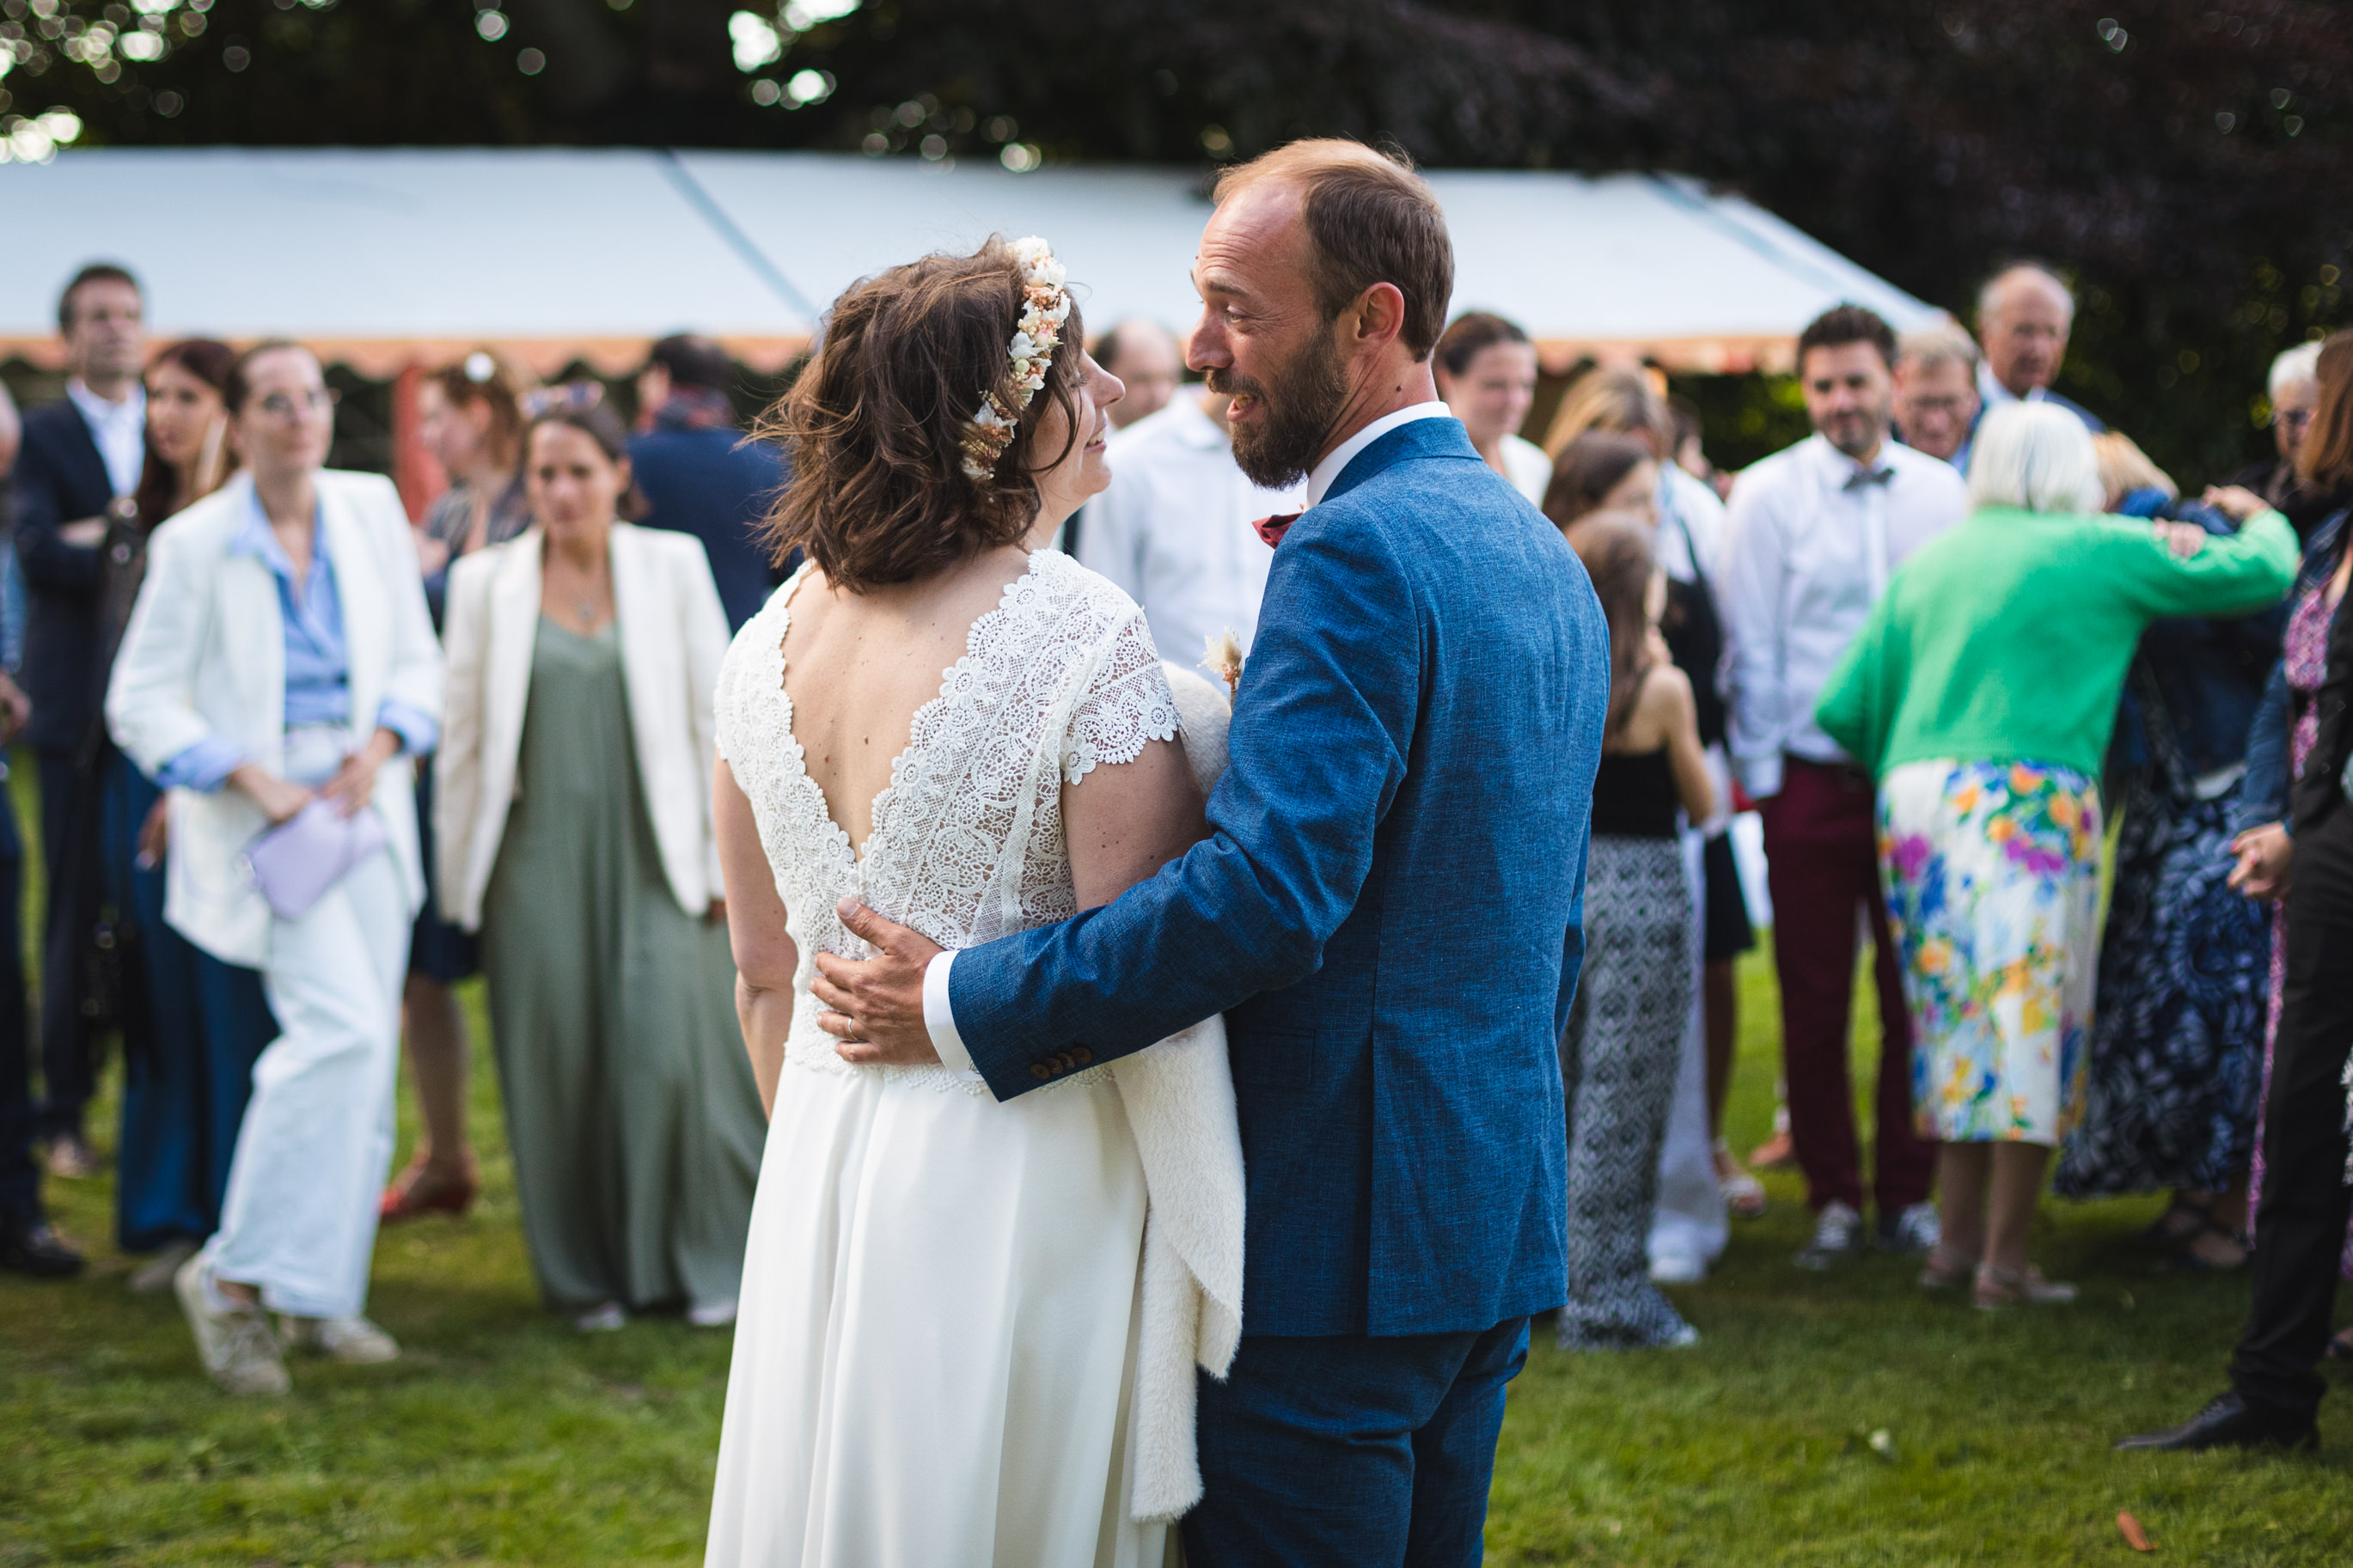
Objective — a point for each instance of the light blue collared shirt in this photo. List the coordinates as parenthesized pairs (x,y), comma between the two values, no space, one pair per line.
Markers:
(318,683)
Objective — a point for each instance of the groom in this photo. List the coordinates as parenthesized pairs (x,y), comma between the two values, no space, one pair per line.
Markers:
(1387,910)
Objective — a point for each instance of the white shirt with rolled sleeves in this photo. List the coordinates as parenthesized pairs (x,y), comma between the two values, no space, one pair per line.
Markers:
(939,1016)
(1811,537)
(1174,530)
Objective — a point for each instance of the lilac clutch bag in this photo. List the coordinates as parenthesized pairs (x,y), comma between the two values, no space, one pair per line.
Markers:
(297,861)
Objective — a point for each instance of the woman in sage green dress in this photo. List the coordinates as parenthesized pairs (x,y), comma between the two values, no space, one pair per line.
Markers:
(574,834)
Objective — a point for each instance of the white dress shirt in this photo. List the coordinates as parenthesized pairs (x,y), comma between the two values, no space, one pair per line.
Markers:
(939,1015)
(1527,468)
(1811,537)
(119,430)
(1174,530)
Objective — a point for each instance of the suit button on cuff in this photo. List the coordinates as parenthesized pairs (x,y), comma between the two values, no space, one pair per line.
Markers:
(1040,1071)
(1083,1056)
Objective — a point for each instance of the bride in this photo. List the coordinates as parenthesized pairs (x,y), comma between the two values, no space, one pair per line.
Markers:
(968,1328)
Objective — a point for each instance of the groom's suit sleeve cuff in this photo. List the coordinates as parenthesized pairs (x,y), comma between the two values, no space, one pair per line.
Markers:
(939,1018)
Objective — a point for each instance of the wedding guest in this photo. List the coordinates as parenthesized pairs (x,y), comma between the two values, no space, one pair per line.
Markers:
(1690,534)
(30,1244)
(1143,355)
(2288,724)
(2303,1216)
(1936,399)
(192,1025)
(79,466)
(1620,1053)
(2024,314)
(471,413)
(1980,695)
(1691,447)
(2293,390)
(1816,531)
(1486,371)
(574,821)
(281,658)
(1175,527)
(700,473)
(1602,476)
(2176,1044)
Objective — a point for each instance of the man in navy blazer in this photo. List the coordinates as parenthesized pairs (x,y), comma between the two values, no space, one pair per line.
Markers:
(1389,908)
(700,475)
(81,458)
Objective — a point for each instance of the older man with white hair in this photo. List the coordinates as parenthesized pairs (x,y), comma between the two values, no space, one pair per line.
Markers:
(2024,314)
(2293,390)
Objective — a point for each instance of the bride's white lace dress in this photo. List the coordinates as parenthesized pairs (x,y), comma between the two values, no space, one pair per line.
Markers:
(936,1349)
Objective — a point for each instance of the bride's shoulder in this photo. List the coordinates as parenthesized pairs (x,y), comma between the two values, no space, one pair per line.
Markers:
(1080,592)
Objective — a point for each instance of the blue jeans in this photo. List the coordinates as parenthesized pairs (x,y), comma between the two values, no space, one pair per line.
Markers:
(1352,1451)
(192,1028)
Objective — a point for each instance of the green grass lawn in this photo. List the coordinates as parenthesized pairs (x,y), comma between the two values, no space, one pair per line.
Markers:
(501,1436)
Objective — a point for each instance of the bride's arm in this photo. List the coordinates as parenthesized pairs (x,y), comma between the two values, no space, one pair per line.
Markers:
(764,954)
(1125,820)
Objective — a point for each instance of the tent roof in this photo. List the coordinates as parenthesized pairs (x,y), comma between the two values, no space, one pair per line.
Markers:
(388,258)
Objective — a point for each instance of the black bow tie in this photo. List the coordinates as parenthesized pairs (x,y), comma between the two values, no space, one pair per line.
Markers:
(1862,477)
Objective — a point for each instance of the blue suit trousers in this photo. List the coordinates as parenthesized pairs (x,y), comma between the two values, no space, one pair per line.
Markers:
(1349,1451)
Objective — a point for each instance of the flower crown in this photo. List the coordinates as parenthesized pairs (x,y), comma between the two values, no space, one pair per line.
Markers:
(1045,305)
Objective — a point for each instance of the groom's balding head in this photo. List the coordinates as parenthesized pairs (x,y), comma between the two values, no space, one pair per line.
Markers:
(1369,219)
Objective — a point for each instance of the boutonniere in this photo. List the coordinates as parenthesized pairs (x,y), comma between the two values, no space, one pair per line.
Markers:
(1225,661)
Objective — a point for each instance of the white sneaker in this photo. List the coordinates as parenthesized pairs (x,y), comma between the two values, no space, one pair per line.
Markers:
(158,1272)
(602,1320)
(1915,1230)
(1838,1235)
(712,1314)
(353,1341)
(234,1341)
(1677,1265)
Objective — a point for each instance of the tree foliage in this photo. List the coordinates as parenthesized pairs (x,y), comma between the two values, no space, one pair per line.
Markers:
(2180,159)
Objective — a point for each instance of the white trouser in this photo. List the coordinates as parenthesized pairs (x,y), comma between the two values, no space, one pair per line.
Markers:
(1691,1221)
(316,1144)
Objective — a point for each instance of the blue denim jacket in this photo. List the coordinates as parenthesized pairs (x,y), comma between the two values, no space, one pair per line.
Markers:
(2263,797)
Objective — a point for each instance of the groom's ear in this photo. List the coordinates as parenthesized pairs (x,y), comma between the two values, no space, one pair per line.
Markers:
(1377,316)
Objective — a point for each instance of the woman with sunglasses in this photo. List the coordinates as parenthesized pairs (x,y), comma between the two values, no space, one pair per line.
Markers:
(280,658)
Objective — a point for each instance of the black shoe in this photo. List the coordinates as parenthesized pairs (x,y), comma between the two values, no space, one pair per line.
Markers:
(2227,1422)
(35,1249)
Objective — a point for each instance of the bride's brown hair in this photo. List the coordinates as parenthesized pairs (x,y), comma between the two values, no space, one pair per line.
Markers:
(873,426)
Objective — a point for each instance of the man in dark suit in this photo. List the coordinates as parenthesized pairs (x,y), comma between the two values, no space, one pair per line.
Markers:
(27,1245)
(1389,909)
(80,462)
(2024,314)
(701,475)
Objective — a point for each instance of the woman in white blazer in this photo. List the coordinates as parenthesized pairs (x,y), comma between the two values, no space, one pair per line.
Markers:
(279,652)
(573,813)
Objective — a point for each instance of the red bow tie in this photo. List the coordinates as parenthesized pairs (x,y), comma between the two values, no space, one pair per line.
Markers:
(1272,529)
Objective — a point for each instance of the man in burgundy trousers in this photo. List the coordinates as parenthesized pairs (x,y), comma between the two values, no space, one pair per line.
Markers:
(1812,534)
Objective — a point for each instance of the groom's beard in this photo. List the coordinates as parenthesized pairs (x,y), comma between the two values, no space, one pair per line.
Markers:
(1297,410)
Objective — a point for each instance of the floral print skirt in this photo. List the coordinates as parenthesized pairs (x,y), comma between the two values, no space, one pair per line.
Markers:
(1993,887)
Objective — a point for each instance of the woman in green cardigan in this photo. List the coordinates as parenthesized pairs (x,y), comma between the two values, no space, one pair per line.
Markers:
(1980,694)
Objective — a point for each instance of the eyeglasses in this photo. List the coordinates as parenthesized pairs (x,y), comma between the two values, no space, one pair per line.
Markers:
(282,406)
(566,398)
(2295,419)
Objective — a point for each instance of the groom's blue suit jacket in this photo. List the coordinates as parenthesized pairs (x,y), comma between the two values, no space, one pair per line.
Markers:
(1388,909)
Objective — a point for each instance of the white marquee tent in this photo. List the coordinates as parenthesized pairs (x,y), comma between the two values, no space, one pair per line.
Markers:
(387,260)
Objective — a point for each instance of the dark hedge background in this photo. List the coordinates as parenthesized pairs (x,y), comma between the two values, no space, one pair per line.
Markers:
(2185,160)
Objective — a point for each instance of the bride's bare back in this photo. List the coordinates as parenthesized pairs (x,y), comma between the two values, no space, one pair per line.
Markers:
(858,666)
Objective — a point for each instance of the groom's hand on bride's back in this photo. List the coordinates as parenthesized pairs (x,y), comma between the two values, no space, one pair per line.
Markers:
(877,1002)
